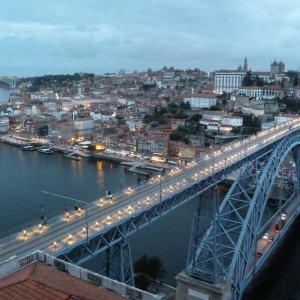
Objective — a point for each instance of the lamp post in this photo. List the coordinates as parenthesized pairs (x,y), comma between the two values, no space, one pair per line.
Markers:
(120,181)
(71,199)
(159,188)
(245,140)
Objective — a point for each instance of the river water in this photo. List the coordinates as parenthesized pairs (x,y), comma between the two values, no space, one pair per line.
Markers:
(23,175)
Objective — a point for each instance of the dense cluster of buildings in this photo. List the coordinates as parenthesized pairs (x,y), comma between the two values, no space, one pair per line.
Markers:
(111,109)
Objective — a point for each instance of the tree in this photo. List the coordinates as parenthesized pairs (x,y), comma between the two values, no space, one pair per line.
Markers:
(155,268)
(296,81)
(140,266)
(247,81)
(185,105)
(149,266)
(141,281)
(196,117)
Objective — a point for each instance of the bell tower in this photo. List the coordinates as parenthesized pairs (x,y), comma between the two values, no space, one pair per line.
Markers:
(245,65)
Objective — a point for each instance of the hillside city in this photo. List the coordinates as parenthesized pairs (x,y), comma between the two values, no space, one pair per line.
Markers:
(175,113)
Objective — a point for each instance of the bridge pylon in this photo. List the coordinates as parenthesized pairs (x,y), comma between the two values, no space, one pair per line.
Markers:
(227,241)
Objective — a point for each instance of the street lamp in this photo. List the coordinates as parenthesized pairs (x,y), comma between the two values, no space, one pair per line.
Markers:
(80,201)
(245,140)
(159,176)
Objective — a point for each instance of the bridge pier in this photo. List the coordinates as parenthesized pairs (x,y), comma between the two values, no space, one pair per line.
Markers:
(116,263)
(189,288)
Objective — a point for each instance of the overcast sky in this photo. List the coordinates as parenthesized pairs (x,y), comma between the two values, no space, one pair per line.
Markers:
(41,37)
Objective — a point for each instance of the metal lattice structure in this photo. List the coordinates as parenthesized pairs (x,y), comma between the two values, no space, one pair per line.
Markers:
(227,246)
(232,233)
(9,80)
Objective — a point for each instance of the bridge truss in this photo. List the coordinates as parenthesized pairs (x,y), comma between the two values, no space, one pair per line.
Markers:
(11,81)
(227,245)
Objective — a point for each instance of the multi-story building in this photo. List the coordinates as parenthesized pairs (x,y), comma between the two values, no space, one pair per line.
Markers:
(168,76)
(185,152)
(282,118)
(232,121)
(259,93)
(251,91)
(215,119)
(198,100)
(271,91)
(228,81)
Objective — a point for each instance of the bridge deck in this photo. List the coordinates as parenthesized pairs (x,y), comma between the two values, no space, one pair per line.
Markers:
(103,213)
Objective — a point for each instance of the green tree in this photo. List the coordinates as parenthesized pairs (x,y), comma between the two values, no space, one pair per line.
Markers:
(140,266)
(296,81)
(149,266)
(141,281)
(185,105)
(155,268)
(247,81)
(196,117)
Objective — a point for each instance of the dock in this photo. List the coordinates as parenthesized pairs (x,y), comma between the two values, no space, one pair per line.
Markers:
(72,155)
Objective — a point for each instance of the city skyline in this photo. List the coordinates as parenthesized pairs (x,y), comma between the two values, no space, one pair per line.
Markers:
(105,36)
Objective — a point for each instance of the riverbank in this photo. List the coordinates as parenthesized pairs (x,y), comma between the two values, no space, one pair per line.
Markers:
(132,164)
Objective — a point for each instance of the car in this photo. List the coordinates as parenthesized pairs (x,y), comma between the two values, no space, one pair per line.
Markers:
(266,236)
(277,227)
(258,254)
(283,216)
(270,240)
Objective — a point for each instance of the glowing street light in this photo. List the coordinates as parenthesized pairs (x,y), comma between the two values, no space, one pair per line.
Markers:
(159,176)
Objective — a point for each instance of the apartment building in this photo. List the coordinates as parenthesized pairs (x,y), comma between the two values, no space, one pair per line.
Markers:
(198,100)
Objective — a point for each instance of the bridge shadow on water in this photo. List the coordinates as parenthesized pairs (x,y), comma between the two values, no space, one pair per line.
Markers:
(280,277)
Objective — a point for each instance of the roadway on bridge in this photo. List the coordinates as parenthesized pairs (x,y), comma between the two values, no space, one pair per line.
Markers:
(64,232)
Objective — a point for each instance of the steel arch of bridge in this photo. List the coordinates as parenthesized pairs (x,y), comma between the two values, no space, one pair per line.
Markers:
(228,246)
(9,80)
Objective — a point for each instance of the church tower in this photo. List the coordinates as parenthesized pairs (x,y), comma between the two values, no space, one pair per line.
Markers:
(245,65)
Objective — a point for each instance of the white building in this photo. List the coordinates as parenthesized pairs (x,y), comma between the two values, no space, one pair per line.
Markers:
(232,121)
(212,115)
(251,91)
(282,118)
(198,100)
(168,76)
(228,81)
(259,93)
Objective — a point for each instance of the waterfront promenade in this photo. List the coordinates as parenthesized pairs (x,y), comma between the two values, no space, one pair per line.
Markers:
(64,148)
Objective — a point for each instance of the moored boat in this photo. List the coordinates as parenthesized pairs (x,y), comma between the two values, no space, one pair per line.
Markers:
(28,148)
(46,149)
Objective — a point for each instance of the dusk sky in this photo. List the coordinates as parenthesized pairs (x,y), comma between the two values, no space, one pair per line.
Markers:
(41,37)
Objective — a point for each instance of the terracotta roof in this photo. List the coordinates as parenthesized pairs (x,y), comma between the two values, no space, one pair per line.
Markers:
(39,281)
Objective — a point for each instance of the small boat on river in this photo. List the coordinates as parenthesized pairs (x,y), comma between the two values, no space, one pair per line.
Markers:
(28,148)
(46,149)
